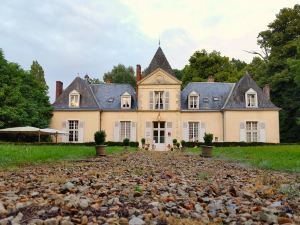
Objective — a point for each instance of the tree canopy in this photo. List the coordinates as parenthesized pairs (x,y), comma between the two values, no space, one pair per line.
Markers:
(24,101)
(121,74)
(203,64)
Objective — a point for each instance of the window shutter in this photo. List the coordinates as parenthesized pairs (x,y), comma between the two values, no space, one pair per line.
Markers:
(167,96)
(65,127)
(81,131)
(117,131)
(242,132)
(151,104)
(148,131)
(201,131)
(262,132)
(133,131)
(169,130)
(185,131)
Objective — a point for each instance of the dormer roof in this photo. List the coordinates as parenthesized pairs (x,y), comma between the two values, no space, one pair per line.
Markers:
(237,98)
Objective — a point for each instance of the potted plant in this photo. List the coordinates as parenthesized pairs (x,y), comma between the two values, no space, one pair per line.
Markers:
(99,137)
(178,145)
(183,143)
(126,144)
(207,147)
(143,140)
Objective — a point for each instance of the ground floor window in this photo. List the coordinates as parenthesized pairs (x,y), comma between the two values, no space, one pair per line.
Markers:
(251,131)
(125,130)
(159,132)
(193,131)
(73,130)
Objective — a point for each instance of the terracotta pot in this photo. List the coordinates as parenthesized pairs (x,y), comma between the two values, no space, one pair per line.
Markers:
(206,151)
(100,150)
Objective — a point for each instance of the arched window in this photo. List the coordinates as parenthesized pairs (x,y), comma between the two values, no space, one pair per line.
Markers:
(74,99)
(251,98)
(193,100)
(126,101)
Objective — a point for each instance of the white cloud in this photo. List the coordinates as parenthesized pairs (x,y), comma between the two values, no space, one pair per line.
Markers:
(229,26)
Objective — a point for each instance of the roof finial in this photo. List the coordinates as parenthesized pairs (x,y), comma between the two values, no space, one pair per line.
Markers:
(158,41)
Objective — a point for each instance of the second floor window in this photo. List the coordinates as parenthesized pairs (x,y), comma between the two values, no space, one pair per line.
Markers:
(126,101)
(251,99)
(158,100)
(193,100)
(74,99)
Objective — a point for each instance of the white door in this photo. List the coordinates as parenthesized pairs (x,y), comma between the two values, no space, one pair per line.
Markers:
(159,135)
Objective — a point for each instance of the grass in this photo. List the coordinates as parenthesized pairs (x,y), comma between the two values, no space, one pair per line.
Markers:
(278,157)
(12,156)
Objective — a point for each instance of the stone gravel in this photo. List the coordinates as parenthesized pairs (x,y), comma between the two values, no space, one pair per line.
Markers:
(148,188)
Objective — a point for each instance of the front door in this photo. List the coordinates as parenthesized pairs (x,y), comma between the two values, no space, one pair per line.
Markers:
(159,131)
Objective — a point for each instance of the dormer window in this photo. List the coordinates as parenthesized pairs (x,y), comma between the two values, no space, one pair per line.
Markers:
(74,99)
(251,98)
(193,100)
(126,101)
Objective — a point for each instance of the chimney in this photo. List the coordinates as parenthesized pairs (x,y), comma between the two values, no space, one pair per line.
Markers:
(59,89)
(266,91)
(211,78)
(138,77)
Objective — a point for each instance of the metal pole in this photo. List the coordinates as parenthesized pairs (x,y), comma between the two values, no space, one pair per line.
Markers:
(56,137)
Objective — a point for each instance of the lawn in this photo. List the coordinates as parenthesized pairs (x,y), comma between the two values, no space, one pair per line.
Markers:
(276,157)
(18,155)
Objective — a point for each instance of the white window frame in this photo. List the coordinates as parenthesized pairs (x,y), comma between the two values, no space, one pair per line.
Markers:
(74,97)
(73,130)
(193,131)
(251,102)
(126,97)
(193,100)
(252,132)
(125,130)
(159,100)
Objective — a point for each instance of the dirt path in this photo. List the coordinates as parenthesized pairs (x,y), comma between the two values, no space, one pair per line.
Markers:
(148,188)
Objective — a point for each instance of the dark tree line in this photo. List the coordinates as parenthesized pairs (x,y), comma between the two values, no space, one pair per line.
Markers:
(24,97)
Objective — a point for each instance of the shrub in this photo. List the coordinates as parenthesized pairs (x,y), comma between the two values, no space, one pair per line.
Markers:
(134,144)
(126,142)
(99,137)
(143,140)
(183,143)
(208,138)
(174,141)
(178,144)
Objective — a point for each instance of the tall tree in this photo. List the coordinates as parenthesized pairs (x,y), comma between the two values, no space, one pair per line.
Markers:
(281,40)
(24,101)
(121,74)
(202,64)
(38,73)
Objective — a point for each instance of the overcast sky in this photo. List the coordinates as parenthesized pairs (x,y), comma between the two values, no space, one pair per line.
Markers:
(70,37)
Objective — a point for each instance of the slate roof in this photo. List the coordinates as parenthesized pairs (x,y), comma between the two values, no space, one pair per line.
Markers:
(237,98)
(95,96)
(87,98)
(213,95)
(109,95)
(159,61)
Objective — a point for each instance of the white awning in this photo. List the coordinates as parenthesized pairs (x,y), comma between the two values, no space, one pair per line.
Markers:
(29,130)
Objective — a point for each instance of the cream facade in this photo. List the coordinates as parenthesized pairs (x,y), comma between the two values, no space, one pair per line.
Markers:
(159,111)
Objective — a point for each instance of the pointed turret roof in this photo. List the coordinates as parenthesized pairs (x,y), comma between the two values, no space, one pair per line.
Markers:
(237,98)
(159,61)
